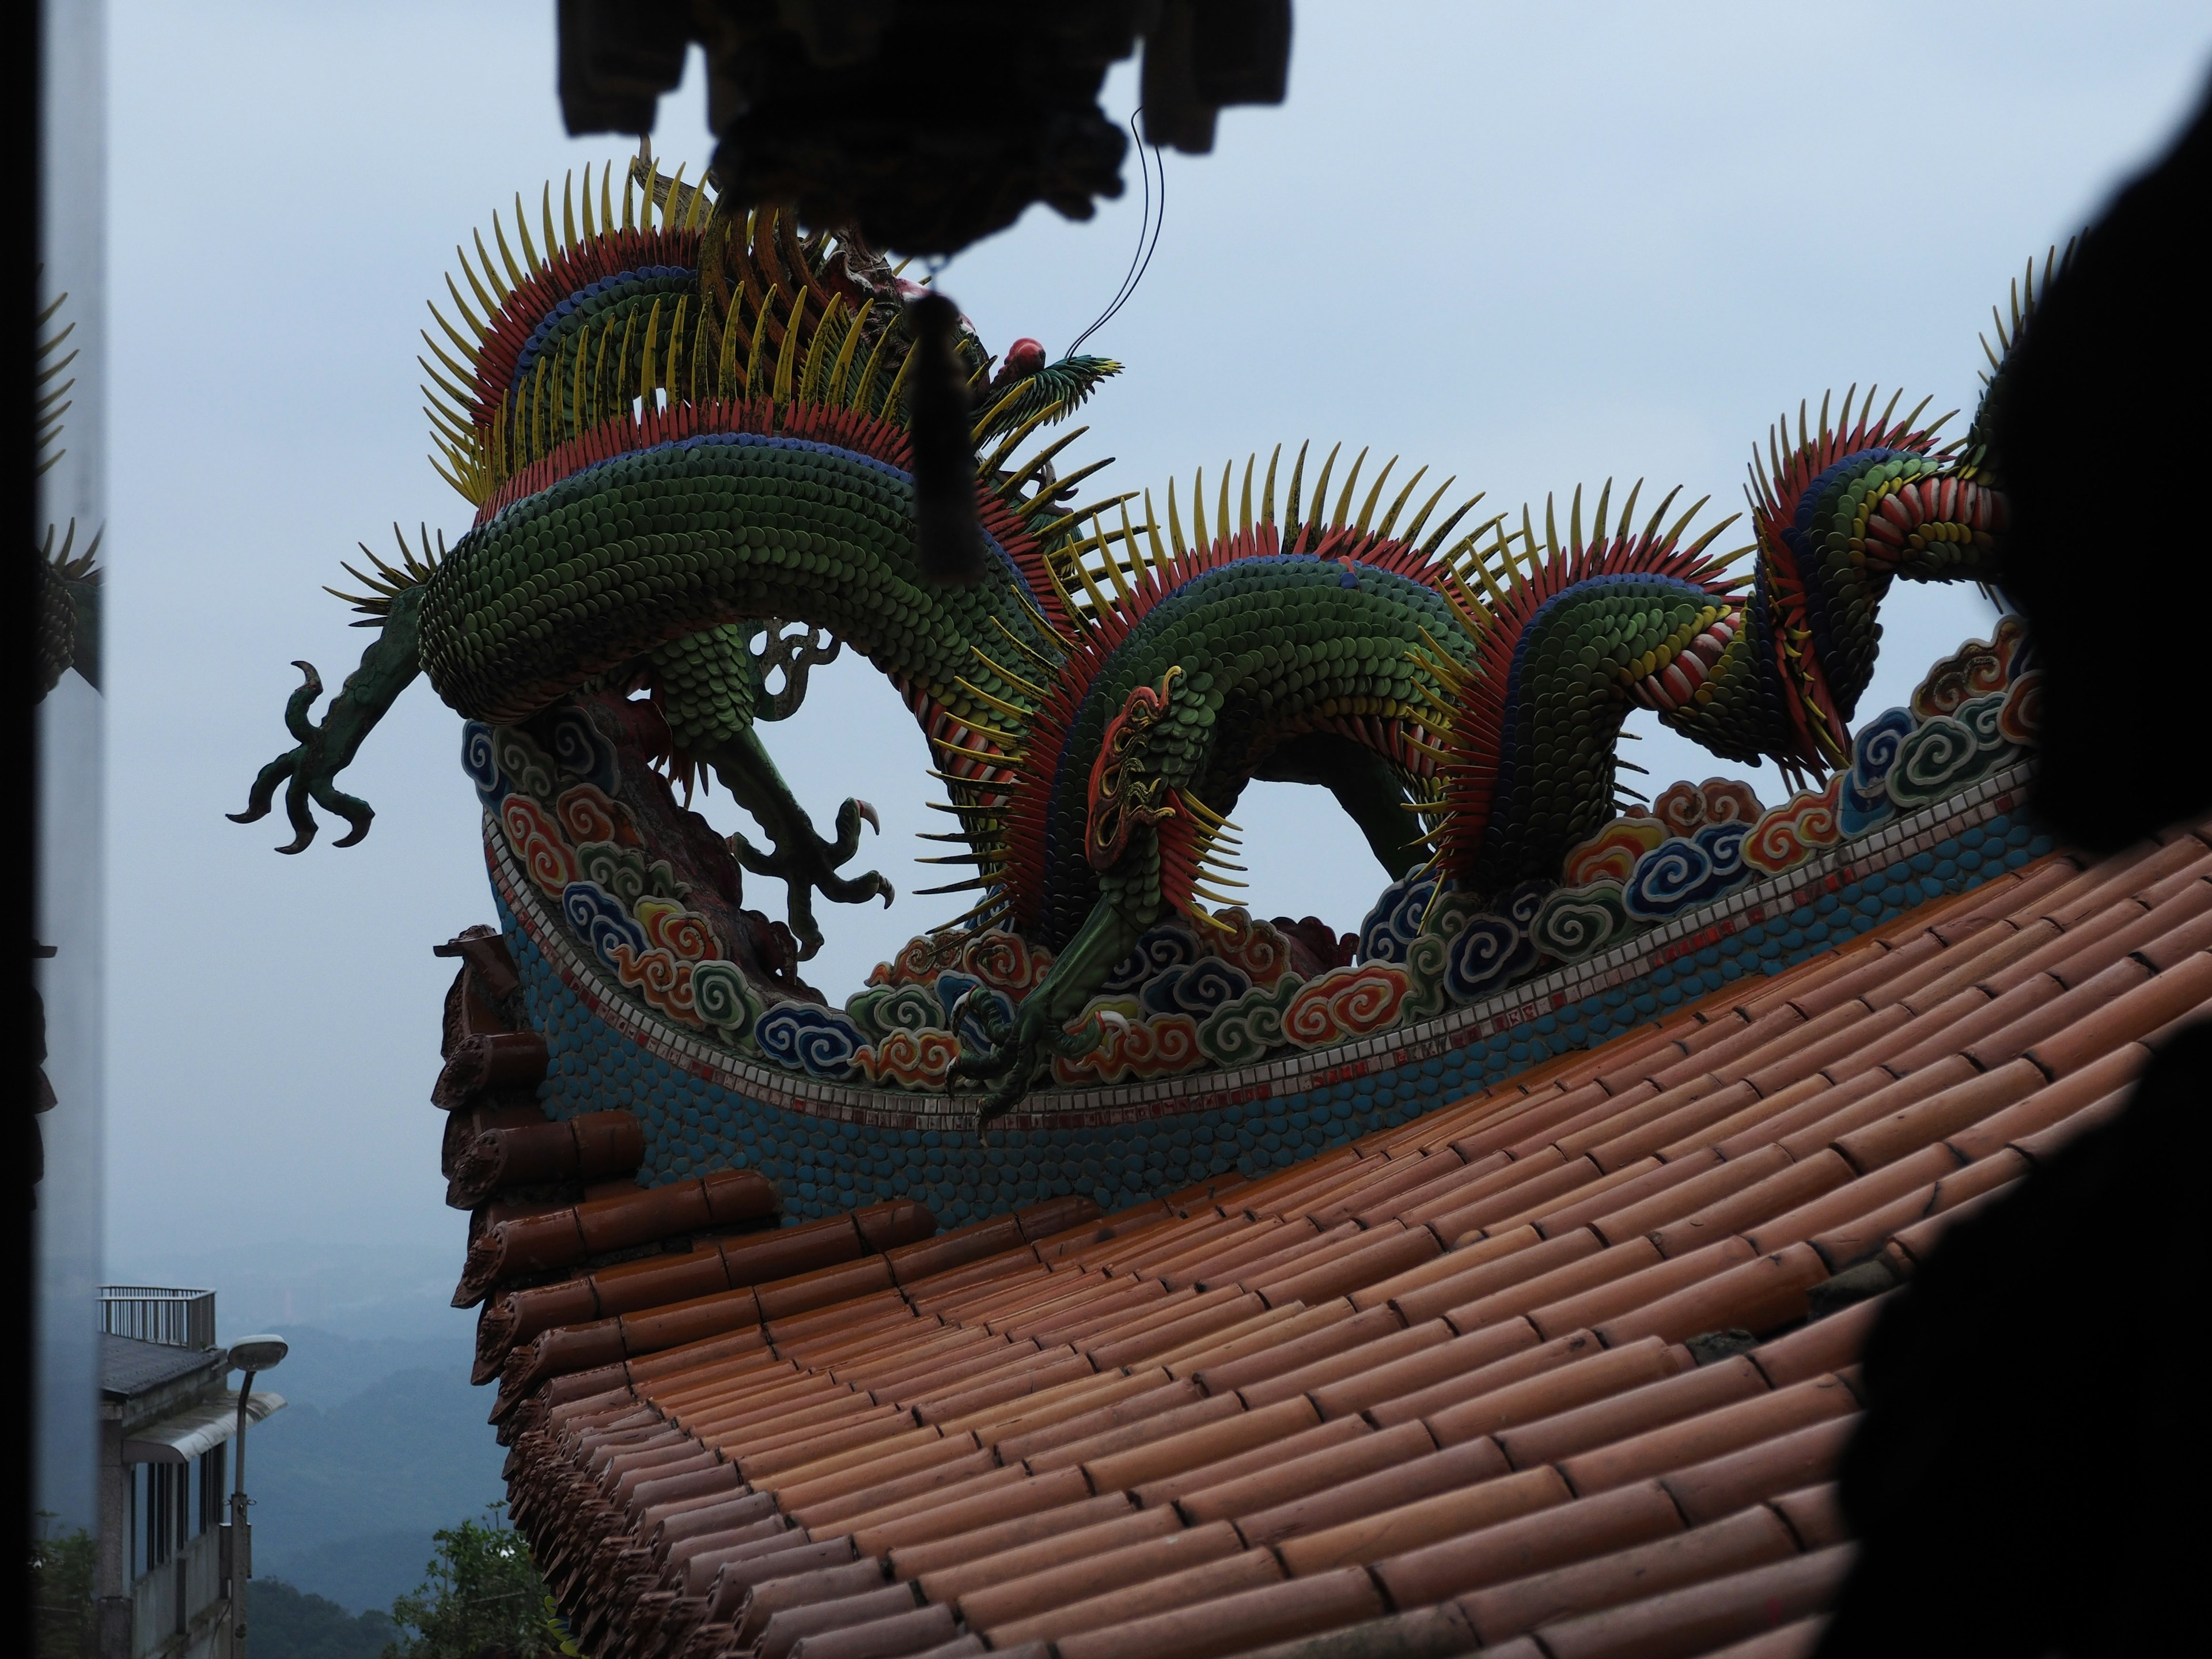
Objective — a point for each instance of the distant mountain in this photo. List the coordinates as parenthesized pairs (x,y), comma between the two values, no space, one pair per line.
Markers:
(326,1369)
(346,1495)
(399,1286)
(286,1623)
(364,1575)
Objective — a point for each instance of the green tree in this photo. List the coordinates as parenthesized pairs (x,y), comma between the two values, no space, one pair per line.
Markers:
(67,1613)
(481,1595)
(290,1623)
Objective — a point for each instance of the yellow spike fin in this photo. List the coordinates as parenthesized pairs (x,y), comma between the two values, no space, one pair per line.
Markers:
(646,381)
(1099,603)
(760,339)
(1321,485)
(1175,519)
(1113,564)
(1267,492)
(522,230)
(1153,534)
(476,286)
(1004,672)
(516,277)
(809,376)
(891,410)
(1026,649)
(1137,562)
(463,373)
(1343,500)
(1367,507)
(1199,538)
(866,384)
(500,288)
(982,756)
(789,356)
(726,372)
(834,394)
(1398,505)
(674,367)
(476,328)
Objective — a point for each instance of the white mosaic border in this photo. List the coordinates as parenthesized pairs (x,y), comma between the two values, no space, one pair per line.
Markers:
(1683,935)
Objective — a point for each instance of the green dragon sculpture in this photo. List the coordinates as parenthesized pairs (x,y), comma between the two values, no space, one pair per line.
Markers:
(676,433)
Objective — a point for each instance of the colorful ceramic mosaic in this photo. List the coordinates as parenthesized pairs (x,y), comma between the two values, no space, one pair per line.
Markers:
(682,435)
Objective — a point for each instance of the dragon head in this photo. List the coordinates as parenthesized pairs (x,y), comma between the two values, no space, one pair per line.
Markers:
(1852,505)
(663,300)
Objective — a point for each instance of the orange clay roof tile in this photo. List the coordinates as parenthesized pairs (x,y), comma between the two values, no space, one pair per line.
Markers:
(1433,1381)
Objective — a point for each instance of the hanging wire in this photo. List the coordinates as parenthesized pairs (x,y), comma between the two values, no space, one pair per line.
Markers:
(1141,260)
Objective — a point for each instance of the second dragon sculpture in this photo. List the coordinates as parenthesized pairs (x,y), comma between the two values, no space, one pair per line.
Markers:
(691,424)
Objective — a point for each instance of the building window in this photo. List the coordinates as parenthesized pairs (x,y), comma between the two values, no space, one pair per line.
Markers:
(211,1482)
(165,1492)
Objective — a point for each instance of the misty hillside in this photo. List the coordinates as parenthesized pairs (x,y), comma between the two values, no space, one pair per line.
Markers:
(366,1461)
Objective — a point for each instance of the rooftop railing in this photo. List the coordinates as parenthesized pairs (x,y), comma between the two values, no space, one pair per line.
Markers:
(157,1312)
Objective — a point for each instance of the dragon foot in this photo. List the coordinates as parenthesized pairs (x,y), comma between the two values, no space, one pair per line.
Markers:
(312,777)
(807,864)
(1020,1050)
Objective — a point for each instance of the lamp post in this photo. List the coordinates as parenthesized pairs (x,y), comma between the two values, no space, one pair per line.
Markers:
(253,1353)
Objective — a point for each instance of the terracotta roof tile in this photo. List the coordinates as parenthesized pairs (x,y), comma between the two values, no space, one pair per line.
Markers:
(1264,1458)
(1401,1390)
(1617,1416)
(1006,1523)
(1647,1177)
(1233,1623)
(1447,1514)
(1663,1280)
(1844,1200)
(996,1607)
(1862,1237)
(1515,1550)
(1430,1388)
(1451,1469)
(1342,1449)
(2044,1143)
(883,1637)
(1751,1539)
(1544,1273)
(1818,1347)
(1640,1133)
(1691,1185)
(1702,1617)
(1797,1640)
(1713,1434)
(1761,1295)
(1597,1373)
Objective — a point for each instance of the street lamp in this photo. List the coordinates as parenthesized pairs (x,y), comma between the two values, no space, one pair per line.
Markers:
(251,1354)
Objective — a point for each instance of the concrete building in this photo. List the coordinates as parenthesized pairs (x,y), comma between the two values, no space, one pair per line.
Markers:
(167,1419)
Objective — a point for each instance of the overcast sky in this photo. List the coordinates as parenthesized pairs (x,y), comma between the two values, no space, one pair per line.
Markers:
(1531,246)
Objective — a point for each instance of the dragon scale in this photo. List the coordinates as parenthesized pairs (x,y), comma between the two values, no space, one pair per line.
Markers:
(676,434)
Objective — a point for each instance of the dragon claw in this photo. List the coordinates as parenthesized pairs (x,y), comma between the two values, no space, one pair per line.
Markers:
(868,812)
(307,772)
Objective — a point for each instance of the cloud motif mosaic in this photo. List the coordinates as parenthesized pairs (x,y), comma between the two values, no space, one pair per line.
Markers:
(1193,995)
